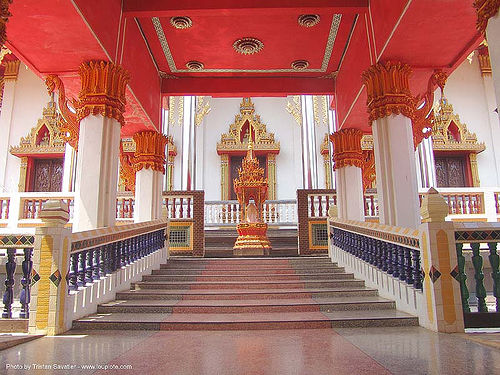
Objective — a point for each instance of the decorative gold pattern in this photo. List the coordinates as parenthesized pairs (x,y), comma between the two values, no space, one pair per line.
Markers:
(70,126)
(484,60)
(485,9)
(150,151)
(325,152)
(248,46)
(294,108)
(181,22)
(300,64)
(127,171)
(11,69)
(4,51)
(388,90)
(233,140)
(224,176)
(45,138)
(194,65)
(22,175)
(308,20)
(202,109)
(172,153)
(4,18)
(324,65)
(347,148)
(368,170)
(442,137)
(424,116)
(103,90)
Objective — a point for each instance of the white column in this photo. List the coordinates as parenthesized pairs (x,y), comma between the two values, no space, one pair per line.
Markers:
(350,203)
(189,144)
(426,170)
(493,37)
(148,190)
(309,149)
(96,171)
(396,173)
(9,91)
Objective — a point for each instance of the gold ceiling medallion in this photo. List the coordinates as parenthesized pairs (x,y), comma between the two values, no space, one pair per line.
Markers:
(181,22)
(309,20)
(194,65)
(300,64)
(248,46)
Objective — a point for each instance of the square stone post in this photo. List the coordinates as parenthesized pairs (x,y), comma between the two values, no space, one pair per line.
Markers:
(49,289)
(441,289)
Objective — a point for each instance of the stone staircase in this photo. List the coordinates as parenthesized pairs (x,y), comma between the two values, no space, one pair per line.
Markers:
(246,293)
(219,243)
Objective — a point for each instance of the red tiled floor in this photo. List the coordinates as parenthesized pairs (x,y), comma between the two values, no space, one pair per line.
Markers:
(313,352)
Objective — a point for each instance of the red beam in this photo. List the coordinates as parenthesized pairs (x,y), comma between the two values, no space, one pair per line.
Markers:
(237,87)
(167,8)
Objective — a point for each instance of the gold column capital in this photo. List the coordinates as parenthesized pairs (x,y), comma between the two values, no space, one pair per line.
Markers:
(388,90)
(347,148)
(11,69)
(485,9)
(149,151)
(103,90)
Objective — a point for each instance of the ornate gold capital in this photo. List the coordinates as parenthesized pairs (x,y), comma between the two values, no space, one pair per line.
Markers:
(483,57)
(11,69)
(103,90)
(149,151)
(485,9)
(347,148)
(388,90)
(4,18)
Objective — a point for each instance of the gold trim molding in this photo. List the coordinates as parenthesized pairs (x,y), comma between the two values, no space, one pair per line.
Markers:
(232,140)
(442,140)
(150,151)
(49,142)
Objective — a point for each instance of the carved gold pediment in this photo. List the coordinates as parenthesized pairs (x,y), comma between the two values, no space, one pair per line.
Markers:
(449,134)
(44,138)
(237,137)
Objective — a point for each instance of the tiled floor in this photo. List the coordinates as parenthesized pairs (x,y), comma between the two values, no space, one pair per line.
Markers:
(352,351)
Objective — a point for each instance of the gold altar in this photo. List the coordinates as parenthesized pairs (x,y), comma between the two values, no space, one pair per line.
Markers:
(251,190)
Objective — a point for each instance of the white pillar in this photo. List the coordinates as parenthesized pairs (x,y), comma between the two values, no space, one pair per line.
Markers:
(96,171)
(396,173)
(9,92)
(426,170)
(148,190)
(350,202)
(493,37)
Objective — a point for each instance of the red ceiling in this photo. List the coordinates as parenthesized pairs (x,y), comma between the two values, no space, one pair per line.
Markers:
(210,41)
(55,36)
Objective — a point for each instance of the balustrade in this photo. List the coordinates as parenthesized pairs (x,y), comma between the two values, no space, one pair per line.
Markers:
(486,286)
(4,208)
(497,202)
(99,256)
(398,257)
(17,246)
(125,204)
(31,206)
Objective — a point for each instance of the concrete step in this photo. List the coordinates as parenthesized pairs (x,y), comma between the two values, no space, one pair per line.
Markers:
(249,284)
(243,293)
(246,321)
(207,272)
(240,278)
(246,306)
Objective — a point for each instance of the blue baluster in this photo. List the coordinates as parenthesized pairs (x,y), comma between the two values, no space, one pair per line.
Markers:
(90,267)
(73,277)
(417,273)
(8,296)
(82,269)
(97,263)
(25,296)
(408,271)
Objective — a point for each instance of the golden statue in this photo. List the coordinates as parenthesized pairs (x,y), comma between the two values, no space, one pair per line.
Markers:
(251,189)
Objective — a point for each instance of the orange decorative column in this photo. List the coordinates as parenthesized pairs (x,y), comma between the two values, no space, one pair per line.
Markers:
(391,108)
(149,164)
(348,159)
(488,23)
(100,108)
